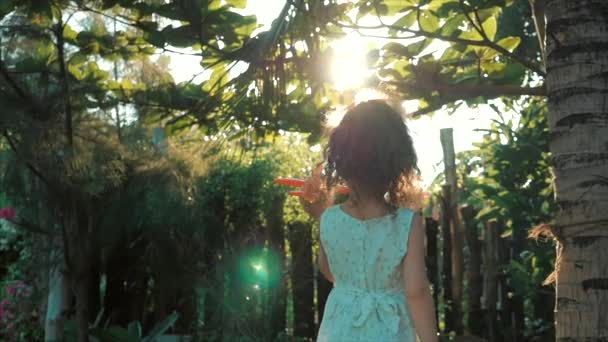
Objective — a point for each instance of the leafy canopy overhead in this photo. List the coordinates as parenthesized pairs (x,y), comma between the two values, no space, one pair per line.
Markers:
(440,52)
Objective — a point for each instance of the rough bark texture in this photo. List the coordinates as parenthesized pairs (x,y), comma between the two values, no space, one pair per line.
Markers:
(577,84)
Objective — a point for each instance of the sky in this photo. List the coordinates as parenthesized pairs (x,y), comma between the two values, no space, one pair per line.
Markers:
(347,69)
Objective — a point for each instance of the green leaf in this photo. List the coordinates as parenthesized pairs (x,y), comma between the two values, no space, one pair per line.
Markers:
(248,25)
(395,6)
(78,58)
(405,21)
(451,25)
(396,49)
(156,38)
(489,27)
(183,36)
(390,74)
(487,213)
(371,58)
(218,78)
(514,72)
(509,43)
(445,8)
(69,34)
(75,71)
(428,22)
(126,85)
(237,3)
(416,48)
(486,13)
(493,68)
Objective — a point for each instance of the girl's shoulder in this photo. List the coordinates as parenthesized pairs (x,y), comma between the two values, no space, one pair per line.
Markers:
(329,212)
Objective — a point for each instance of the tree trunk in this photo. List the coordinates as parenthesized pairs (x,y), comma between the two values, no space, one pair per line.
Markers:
(116,298)
(93,281)
(302,279)
(490,285)
(82,307)
(474,279)
(57,304)
(577,86)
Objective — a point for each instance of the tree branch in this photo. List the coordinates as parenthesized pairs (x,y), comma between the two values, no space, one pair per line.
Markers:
(6,74)
(486,90)
(420,33)
(65,86)
(32,169)
(453,92)
(538,15)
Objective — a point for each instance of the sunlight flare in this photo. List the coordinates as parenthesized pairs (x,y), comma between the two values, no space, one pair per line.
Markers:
(348,67)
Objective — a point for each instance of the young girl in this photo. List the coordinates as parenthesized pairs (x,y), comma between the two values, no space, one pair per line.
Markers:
(372,248)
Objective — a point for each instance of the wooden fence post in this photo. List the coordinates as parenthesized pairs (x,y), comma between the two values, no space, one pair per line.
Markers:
(446,274)
(432,255)
(490,286)
(449,161)
(474,278)
(302,278)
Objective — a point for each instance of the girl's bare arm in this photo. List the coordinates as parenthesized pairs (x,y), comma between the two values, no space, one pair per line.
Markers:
(416,285)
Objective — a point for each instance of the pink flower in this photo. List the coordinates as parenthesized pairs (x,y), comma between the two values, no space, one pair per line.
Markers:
(8,213)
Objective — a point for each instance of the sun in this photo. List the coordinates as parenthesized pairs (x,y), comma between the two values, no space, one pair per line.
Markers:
(348,67)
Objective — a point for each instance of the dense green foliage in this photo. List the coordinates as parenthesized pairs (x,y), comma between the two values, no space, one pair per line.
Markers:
(509,180)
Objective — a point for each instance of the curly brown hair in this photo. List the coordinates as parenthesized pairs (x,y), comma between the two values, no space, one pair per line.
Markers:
(371,149)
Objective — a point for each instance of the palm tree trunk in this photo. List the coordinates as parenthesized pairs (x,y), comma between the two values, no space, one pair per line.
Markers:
(577,85)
